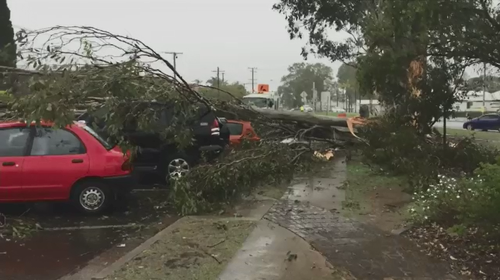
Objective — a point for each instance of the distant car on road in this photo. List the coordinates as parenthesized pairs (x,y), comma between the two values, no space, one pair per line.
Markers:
(70,164)
(308,108)
(485,122)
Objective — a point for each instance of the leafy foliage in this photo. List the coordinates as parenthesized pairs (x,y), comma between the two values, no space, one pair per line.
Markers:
(402,150)
(207,186)
(467,201)
(236,89)
(390,51)
(491,83)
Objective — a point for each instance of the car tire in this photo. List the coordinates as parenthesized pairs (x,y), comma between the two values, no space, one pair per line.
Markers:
(469,127)
(91,197)
(175,166)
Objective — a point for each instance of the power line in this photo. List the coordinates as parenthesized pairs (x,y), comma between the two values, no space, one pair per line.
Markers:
(253,77)
(174,54)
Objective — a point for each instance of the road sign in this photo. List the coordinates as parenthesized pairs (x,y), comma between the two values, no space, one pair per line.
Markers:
(261,88)
(324,96)
(303,94)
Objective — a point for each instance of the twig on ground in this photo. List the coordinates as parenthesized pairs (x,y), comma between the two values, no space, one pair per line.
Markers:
(217,244)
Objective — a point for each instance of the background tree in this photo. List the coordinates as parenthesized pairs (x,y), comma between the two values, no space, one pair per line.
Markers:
(7,47)
(7,44)
(391,51)
(236,89)
(347,80)
(214,82)
(492,83)
(300,78)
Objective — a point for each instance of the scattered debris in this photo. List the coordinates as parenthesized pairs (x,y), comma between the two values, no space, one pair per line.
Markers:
(291,257)
(218,243)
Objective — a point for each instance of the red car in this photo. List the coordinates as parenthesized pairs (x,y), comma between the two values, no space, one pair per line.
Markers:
(240,130)
(72,164)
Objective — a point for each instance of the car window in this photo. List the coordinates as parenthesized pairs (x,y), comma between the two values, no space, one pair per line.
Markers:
(98,137)
(13,141)
(51,142)
(235,128)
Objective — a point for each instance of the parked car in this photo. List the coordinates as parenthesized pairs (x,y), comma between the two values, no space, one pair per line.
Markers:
(159,156)
(240,130)
(71,164)
(485,122)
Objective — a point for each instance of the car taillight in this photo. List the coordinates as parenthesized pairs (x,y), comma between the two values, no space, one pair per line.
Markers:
(214,128)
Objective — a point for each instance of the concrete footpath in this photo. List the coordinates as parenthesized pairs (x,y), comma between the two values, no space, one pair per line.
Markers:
(303,235)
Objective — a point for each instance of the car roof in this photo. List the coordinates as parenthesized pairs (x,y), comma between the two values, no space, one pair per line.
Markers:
(240,122)
(12,124)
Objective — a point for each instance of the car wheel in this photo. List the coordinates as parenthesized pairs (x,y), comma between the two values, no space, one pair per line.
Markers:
(91,197)
(177,166)
(469,127)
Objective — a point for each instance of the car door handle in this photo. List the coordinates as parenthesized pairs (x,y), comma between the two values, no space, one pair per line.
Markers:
(77,160)
(8,163)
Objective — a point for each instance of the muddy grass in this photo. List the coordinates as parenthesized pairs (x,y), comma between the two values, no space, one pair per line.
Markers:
(470,253)
(197,249)
(374,197)
(380,200)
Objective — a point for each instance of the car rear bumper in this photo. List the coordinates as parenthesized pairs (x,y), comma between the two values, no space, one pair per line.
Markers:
(121,183)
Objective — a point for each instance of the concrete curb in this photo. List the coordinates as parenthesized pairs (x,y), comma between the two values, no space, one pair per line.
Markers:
(139,249)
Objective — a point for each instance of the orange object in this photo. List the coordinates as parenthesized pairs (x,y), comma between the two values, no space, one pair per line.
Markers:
(355,121)
(342,115)
(262,88)
(240,130)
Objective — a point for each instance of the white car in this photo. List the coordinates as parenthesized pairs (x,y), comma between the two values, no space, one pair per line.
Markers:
(337,110)
(308,108)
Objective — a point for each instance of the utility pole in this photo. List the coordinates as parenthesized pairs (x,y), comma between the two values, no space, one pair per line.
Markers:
(253,77)
(484,87)
(175,56)
(222,76)
(219,72)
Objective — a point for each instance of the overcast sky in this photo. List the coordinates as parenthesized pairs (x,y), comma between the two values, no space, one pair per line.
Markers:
(231,34)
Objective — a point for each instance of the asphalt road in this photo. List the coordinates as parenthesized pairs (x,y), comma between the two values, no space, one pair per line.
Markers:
(70,240)
(452,124)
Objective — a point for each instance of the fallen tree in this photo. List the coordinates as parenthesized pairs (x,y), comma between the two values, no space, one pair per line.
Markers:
(86,69)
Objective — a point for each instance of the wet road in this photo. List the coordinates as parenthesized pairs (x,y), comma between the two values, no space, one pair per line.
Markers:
(51,255)
(60,249)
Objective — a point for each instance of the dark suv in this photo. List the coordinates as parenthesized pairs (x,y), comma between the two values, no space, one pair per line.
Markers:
(158,155)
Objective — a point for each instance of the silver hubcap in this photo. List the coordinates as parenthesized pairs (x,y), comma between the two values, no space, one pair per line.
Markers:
(177,168)
(92,198)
